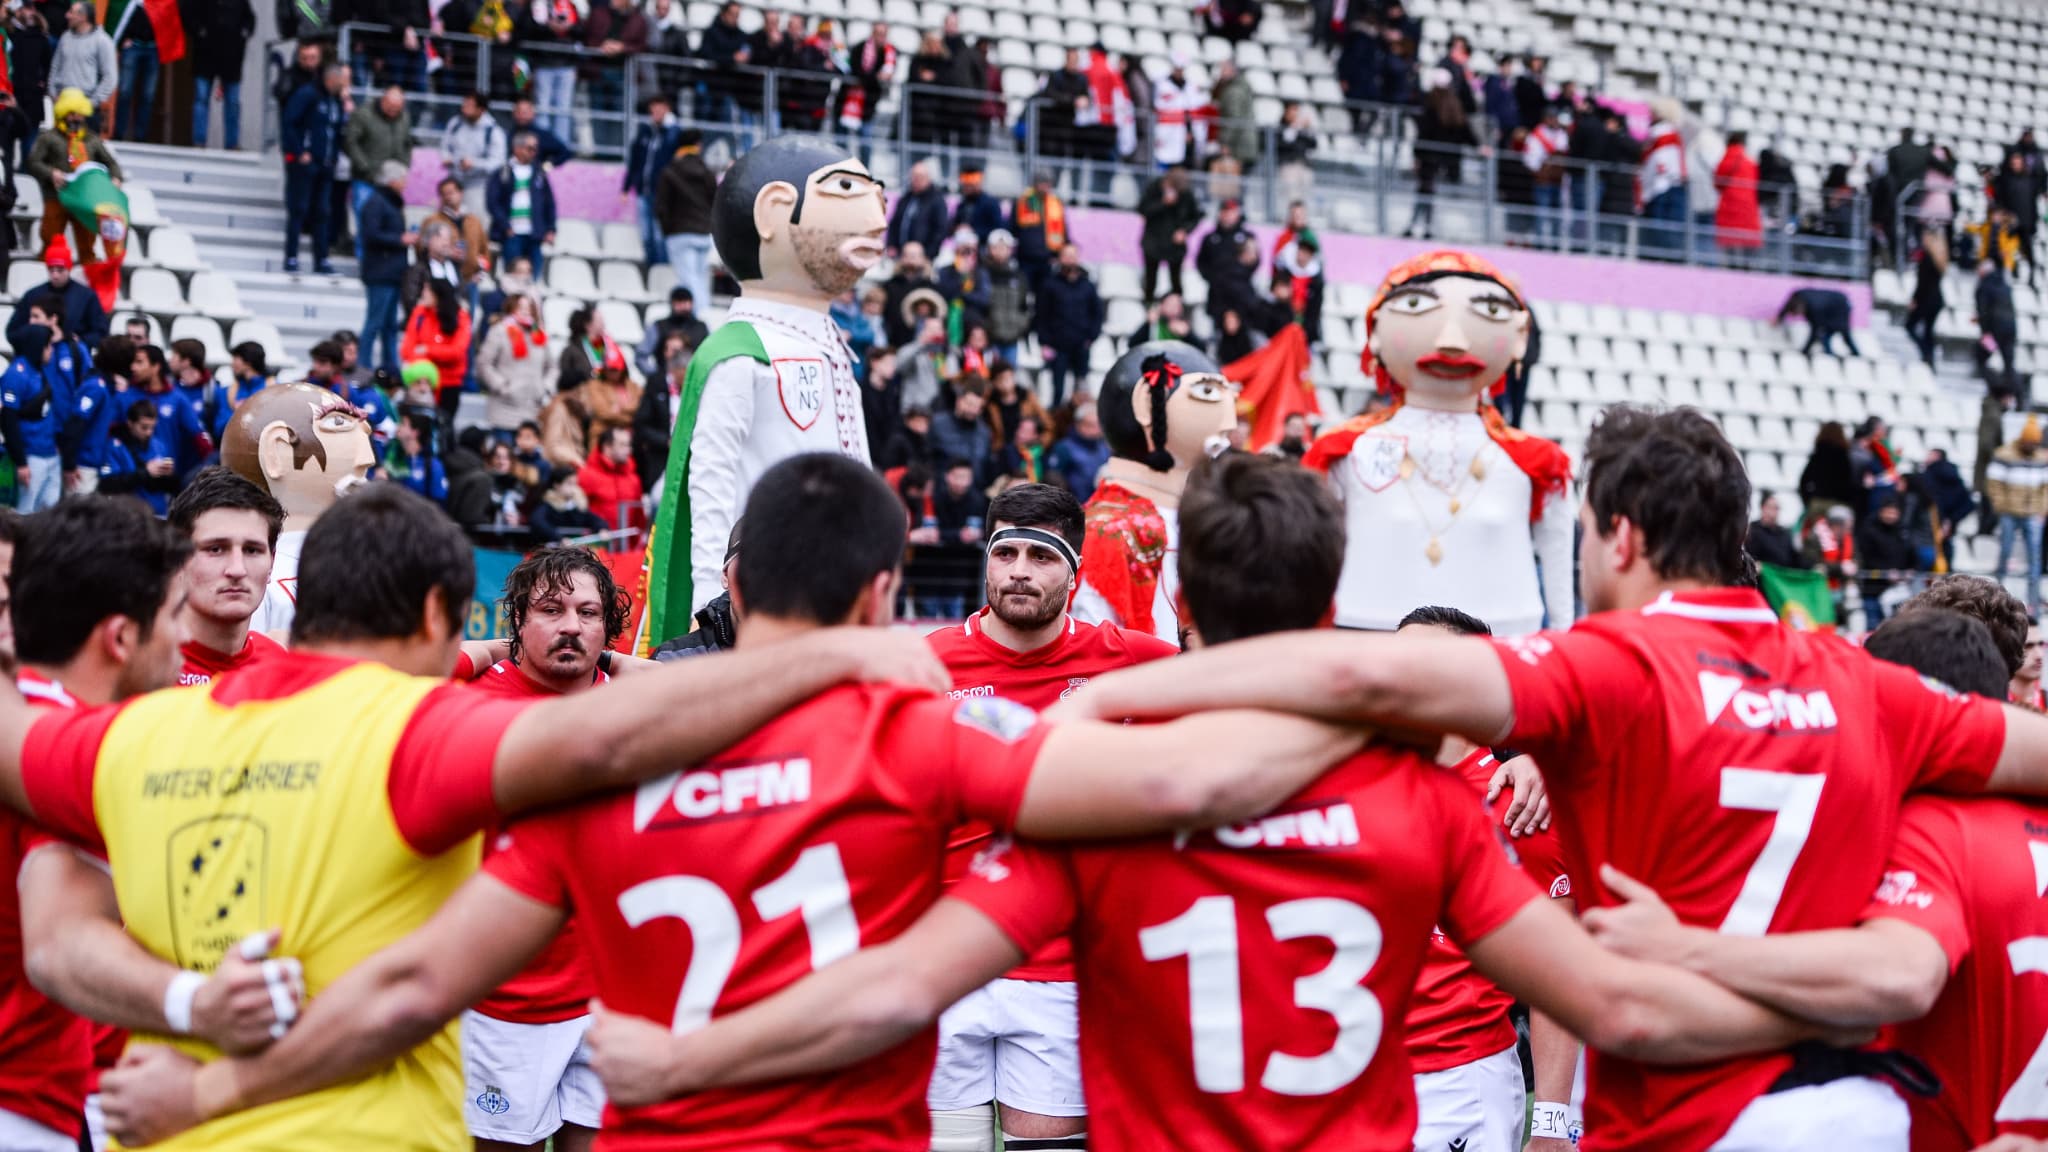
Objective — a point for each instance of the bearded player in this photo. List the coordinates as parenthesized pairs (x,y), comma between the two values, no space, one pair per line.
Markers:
(1242,986)
(1691,741)
(527,1077)
(97,589)
(233,526)
(1461,1042)
(1013,1043)
(730,878)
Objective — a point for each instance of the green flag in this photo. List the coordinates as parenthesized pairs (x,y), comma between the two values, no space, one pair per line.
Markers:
(1800,596)
(668,608)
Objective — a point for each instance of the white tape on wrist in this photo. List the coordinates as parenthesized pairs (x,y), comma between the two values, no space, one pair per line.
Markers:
(1552,1121)
(283,978)
(178,1001)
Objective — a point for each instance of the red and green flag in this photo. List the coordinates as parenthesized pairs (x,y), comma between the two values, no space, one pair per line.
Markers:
(1800,596)
(92,199)
(163,17)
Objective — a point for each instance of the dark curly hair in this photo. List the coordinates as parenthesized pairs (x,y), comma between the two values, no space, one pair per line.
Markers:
(551,572)
(1985,600)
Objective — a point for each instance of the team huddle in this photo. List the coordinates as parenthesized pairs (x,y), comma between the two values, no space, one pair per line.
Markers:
(849,887)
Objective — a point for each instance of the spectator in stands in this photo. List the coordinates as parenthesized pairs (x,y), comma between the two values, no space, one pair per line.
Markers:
(2017,486)
(881,396)
(1443,133)
(723,48)
(1080,454)
(682,210)
(1951,499)
(871,69)
(310,139)
(975,210)
(1175,98)
(961,433)
(1544,154)
(1233,20)
(1770,542)
(1038,219)
(328,372)
(1997,318)
(379,133)
(1301,258)
(1885,555)
(53,157)
(1497,98)
(135,91)
(964,286)
(553,150)
(611,483)
(654,145)
(654,421)
(912,273)
(138,462)
(681,321)
(1009,296)
(28,68)
(549,32)
(62,295)
(1738,220)
(1170,212)
(217,36)
(439,331)
(1237,132)
(590,348)
(2017,189)
(85,58)
(815,60)
(1167,320)
(522,204)
(1827,314)
(1621,159)
(910,447)
(411,460)
(923,366)
(1660,180)
(1928,272)
(382,234)
(1010,404)
(1293,146)
(1829,477)
(469,234)
(1070,317)
(32,408)
(920,214)
(473,147)
(1937,205)
(961,509)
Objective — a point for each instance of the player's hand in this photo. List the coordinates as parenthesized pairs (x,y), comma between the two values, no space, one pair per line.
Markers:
(148,1096)
(1529,811)
(1641,927)
(630,1055)
(2014,1144)
(1549,1144)
(251,999)
(888,658)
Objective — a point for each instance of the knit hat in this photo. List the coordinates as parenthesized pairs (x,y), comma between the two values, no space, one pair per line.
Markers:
(418,370)
(58,253)
(2030,433)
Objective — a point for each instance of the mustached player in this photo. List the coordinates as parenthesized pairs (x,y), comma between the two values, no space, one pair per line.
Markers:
(1015,1042)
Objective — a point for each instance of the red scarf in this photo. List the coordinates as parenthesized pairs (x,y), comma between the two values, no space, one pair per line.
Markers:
(518,334)
(1124,551)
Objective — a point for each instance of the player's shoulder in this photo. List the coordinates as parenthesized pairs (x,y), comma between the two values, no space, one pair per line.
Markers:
(1132,645)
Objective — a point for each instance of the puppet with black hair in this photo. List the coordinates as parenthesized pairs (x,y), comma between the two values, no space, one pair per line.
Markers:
(1444,503)
(1163,405)
(797,221)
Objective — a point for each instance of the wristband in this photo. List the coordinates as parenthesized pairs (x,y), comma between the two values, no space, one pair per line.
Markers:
(1553,1121)
(178,1001)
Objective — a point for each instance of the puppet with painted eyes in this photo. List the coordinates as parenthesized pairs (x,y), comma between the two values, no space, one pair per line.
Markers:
(1444,503)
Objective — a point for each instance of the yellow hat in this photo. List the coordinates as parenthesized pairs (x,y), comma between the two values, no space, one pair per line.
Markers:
(72,102)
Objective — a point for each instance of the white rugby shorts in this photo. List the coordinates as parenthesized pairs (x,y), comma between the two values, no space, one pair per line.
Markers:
(522,1082)
(1017,1042)
(1476,1107)
(1856,1112)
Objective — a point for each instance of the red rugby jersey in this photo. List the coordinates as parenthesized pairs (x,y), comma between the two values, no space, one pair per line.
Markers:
(202,664)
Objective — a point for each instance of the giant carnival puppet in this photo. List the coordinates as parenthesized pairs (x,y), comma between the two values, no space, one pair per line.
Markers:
(1164,406)
(307,447)
(797,220)
(1444,502)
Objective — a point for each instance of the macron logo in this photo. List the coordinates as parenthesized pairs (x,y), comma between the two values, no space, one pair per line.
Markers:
(726,792)
(1775,709)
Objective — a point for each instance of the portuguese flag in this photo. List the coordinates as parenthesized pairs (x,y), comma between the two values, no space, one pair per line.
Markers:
(163,17)
(93,200)
(1799,596)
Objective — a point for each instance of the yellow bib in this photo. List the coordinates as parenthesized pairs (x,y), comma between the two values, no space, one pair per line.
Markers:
(221,822)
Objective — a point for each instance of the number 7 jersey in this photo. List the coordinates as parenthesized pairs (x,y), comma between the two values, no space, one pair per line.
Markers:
(722,883)
(1751,774)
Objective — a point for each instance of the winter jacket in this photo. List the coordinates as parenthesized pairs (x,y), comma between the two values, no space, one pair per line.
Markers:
(448,351)
(423,474)
(1009,303)
(88,62)
(483,144)
(373,138)
(920,217)
(381,227)
(498,201)
(1739,216)
(980,212)
(123,470)
(682,197)
(614,491)
(1070,312)
(604,23)
(310,129)
(33,404)
(51,154)
(647,155)
(2018,481)
(955,439)
(1219,249)
(472,233)
(78,305)
(515,388)
(1162,219)
(654,427)
(1829,478)
(971,292)
(1772,544)
(1076,460)
(217,35)
(1235,130)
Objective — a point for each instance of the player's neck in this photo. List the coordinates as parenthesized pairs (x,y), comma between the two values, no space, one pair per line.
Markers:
(1017,639)
(1453,750)
(226,637)
(2023,688)
(1636,596)
(559,685)
(90,682)
(410,655)
(756,630)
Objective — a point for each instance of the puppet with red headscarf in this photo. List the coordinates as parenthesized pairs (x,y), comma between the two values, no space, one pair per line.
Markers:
(1444,503)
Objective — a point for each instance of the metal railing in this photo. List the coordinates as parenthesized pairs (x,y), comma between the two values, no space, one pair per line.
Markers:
(1367,179)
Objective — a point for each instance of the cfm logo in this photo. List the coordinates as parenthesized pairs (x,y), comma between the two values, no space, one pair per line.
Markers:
(1775,709)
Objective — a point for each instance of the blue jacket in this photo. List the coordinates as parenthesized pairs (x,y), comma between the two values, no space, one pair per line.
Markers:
(381,227)
(177,424)
(92,417)
(313,121)
(498,202)
(123,471)
(648,155)
(36,403)
(78,305)
(1070,312)
(919,216)
(422,474)
(1076,461)
(982,212)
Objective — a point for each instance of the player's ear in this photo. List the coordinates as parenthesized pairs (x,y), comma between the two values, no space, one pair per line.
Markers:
(118,638)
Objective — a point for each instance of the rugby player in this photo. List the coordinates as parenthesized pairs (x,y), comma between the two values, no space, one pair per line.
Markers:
(233,526)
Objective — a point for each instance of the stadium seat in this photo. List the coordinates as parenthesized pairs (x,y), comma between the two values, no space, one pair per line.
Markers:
(156,329)
(174,248)
(570,276)
(577,238)
(554,317)
(215,294)
(155,290)
(265,333)
(22,275)
(622,321)
(620,280)
(622,242)
(142,209)
(204,329)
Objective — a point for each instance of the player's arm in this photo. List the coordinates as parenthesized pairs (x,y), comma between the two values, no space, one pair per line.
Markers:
(1648,1012)
(1881,972)
(1100,779)
(851,1010)
(2023,759)
(1554,1059)
(383,1007)
(16,718)
(76,952)
(1429,681)
(682,712)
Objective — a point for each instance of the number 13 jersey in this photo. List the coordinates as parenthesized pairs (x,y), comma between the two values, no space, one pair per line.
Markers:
(1751,774)
(727,881)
